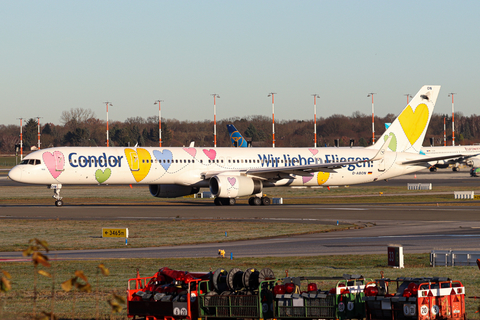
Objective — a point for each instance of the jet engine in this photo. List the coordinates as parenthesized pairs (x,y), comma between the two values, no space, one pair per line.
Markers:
(225,186)
(171,190)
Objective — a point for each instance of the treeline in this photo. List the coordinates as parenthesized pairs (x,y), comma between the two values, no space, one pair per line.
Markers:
(80,127)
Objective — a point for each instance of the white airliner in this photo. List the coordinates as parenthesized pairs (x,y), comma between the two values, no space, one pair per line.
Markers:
(470,155)
(236,172)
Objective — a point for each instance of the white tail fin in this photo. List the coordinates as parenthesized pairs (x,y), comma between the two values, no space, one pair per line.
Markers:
(409,128)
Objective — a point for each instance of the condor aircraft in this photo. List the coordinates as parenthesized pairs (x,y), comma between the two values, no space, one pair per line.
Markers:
(236,172)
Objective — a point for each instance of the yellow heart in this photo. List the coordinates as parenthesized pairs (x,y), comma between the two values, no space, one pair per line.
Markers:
(322,177)
(139,162)
(414,122)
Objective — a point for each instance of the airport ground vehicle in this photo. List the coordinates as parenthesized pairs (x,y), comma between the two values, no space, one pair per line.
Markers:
(249,294)
(415,298)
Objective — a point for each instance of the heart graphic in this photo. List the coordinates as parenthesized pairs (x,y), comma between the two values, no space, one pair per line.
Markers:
(102,176)
(307,178)
(165,158)
(322,177)
(191,151)
(313,151)
(232,181)
(414,122)
(55,163)
(211,154)
(393,143)
(139,162)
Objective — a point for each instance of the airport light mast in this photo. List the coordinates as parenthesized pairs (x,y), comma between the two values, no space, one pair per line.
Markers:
(272,94)
(21,139)
(373,117)
(215,96)
(107,103)
(159,122)
(453,118)
(408,97)
(444,133)
(38,131)
(315,96)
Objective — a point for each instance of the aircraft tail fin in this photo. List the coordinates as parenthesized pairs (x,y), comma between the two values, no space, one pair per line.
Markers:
(235,136)
(409,128)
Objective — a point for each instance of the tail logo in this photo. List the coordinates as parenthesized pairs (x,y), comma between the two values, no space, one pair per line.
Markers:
(414,122)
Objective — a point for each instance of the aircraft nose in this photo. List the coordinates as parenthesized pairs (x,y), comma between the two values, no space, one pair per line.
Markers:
(15,174)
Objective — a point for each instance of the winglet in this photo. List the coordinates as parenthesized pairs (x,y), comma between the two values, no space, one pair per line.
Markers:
(381,152)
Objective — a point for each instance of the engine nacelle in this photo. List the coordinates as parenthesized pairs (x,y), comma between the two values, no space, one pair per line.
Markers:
(171,190)
(473,162)
(225,186)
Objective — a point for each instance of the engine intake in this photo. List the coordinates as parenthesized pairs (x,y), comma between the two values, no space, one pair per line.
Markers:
(171,190)
(224,186)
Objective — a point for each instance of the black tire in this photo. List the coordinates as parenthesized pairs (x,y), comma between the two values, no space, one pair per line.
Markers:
(433,169)
(250,201)
(265,201)
(59,203)
(218,202)
(231,201)
(256,201)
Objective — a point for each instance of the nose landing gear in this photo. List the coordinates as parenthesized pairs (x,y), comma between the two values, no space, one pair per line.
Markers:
(56,194)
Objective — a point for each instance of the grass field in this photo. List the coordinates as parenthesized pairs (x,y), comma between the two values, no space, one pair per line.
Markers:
(83,235)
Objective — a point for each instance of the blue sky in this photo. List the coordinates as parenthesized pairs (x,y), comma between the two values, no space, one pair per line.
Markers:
(57,55)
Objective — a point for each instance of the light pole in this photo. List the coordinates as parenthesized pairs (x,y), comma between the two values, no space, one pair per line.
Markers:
(107,103)
(408,97)
(373,118)
(21,139)
(159,123)
(272,94)
(315,96)
(215,96)
(453,118)
(444,133)
(38,131)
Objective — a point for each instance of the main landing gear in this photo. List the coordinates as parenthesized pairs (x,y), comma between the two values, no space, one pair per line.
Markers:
(253,201)
(56,194)
(224,201)
(257,201)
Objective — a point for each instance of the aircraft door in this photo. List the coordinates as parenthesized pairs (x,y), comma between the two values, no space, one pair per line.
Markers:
(381,165)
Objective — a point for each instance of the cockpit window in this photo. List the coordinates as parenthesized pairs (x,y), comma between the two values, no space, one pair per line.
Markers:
(31,161)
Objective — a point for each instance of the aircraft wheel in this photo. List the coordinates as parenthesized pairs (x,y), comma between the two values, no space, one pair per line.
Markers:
(265,201)
(250,201)
(433,169)
(59,203)
(218,202)
(256,201)
(231,201)
(455,169)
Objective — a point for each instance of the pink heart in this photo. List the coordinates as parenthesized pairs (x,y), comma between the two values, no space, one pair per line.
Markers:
(191,151)
(211,154)
(55,163)
(313,151)
(306,179)
(232,181)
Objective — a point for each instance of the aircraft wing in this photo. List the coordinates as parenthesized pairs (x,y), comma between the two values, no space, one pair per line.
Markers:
(437,158)
(305,170)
